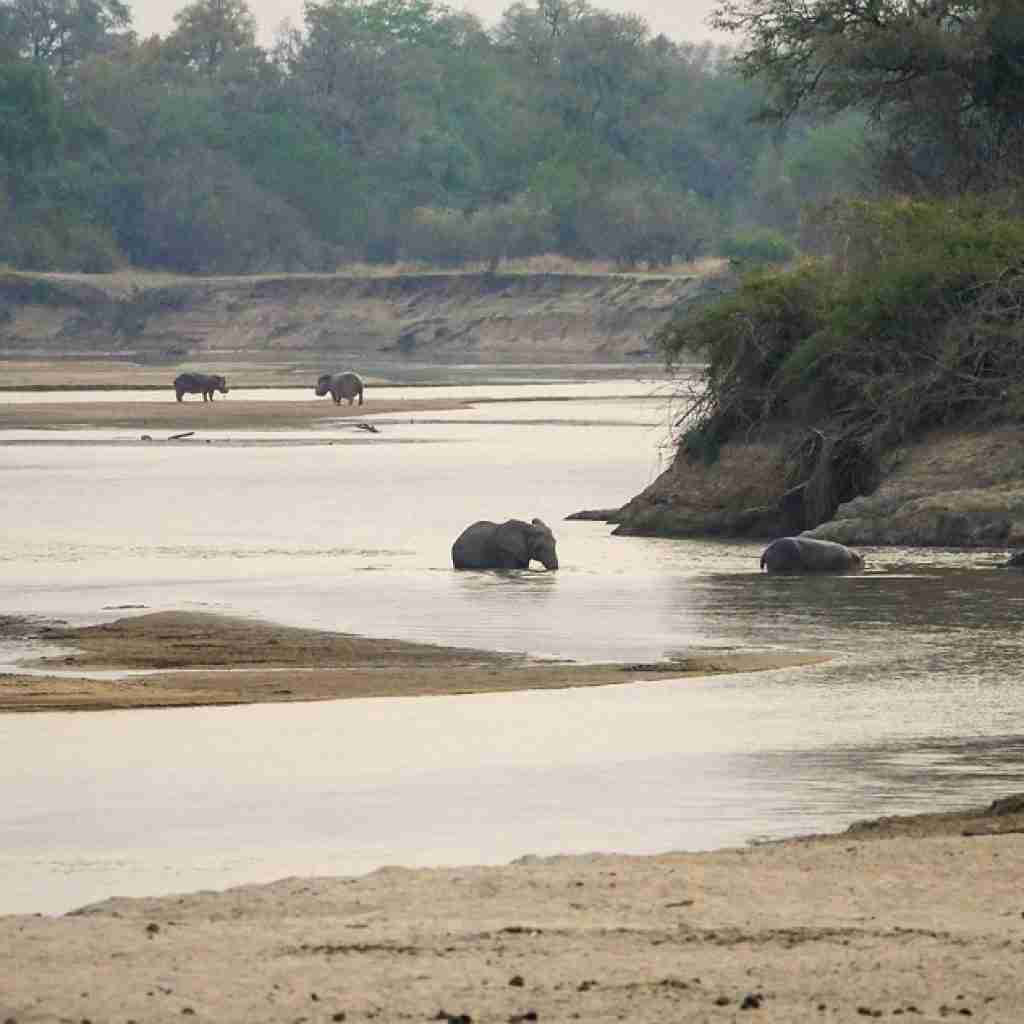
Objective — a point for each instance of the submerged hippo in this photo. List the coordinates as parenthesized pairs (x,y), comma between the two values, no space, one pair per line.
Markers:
(341,385)
(805,554)
(204,384)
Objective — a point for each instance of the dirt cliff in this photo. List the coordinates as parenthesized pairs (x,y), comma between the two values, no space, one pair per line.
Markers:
(435,318)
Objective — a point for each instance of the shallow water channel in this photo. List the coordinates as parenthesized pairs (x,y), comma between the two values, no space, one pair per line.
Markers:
(920,708)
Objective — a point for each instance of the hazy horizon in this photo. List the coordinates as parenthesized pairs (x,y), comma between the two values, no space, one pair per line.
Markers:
(682,22)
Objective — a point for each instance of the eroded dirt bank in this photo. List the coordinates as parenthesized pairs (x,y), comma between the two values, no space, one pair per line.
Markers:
(950,488)
(436,318)
(919,922)
(198,659)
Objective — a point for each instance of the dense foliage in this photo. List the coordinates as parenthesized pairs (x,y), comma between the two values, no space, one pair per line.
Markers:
(382,130)
(915,320)
(942,79)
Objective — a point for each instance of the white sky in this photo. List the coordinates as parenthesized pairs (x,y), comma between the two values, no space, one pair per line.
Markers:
(681,20)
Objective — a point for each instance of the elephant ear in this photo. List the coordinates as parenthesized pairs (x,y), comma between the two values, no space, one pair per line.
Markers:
(540,525)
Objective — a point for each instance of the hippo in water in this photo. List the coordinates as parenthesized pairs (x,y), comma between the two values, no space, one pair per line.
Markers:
(204,384)
(341,385)
(805,554)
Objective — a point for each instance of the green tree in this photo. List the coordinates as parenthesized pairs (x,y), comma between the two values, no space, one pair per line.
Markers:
(208,32)
(62,33)
(591,67)
(30,119)
(643,222)
(944,80)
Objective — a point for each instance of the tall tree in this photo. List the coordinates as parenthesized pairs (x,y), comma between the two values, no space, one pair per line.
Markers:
(30,115)
(207,32)
(61,33)
(944,79)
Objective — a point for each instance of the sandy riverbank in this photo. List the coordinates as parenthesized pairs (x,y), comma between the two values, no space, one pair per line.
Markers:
(198,659)
(203,417)
(163,418)
(914,920)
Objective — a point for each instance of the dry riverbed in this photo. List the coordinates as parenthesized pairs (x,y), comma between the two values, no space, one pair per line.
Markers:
(919,921)
(192,658)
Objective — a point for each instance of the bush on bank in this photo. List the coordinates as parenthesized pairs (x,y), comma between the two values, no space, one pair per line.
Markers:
(759,247)
(914,319)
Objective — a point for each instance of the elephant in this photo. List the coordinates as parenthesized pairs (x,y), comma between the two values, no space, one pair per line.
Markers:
(204,384)
(510,545)
(805,554)
(340,385)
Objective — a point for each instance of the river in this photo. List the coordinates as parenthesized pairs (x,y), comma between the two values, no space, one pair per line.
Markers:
(919,708)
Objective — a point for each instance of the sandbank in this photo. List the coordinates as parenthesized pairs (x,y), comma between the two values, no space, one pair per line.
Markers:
(167,416)
(923,923)
(205,418)
(193,658)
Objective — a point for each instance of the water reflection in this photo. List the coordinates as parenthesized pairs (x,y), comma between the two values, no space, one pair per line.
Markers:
(920,707)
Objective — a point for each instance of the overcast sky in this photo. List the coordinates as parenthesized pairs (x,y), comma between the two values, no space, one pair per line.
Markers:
(681,20)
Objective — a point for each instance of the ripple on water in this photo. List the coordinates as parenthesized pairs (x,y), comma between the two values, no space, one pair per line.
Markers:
(919,708)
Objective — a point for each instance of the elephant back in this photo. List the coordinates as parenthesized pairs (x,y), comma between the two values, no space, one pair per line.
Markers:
(508,545)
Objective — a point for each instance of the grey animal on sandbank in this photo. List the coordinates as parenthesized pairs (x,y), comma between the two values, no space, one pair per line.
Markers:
(204,384)
(1016,561)
(509,545)
(805,554)
(340,385)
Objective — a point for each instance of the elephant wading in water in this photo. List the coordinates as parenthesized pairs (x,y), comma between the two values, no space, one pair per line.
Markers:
(204,384)
(509,545)
(341,385)
(804,554)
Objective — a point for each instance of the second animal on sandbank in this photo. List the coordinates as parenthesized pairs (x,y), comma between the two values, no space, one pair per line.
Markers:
(347,385)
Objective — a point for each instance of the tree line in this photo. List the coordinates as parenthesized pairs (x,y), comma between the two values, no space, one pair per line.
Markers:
(386,130)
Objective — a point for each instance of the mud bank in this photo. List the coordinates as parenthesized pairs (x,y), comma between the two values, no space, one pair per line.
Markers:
(201,659)
(949,488)
(436,318)
(922,922)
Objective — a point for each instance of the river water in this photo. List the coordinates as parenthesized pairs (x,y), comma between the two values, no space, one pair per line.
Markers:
(919,709)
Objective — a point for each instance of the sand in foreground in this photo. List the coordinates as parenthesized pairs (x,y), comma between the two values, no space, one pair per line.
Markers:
(197,658)
(908,919)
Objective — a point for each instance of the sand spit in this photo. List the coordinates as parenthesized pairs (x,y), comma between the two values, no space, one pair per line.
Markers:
(204,417)
(198,659)
(835,928)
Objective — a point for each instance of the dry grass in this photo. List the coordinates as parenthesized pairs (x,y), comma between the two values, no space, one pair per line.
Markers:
(121,283)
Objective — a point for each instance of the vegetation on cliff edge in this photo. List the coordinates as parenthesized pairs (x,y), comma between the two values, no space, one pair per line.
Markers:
(914,315)
(916,319)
